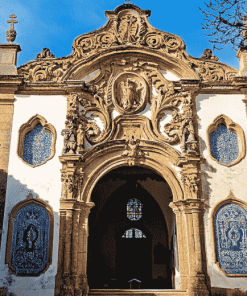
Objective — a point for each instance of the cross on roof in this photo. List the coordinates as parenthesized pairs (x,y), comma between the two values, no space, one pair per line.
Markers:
(13,21)
(128,1)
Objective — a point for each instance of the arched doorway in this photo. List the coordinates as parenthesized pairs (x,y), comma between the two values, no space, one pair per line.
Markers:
(130,228)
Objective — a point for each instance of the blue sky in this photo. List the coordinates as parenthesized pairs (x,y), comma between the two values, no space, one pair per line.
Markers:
(56,23)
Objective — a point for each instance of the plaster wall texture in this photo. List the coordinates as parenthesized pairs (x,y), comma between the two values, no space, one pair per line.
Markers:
(217,179)
(42,181)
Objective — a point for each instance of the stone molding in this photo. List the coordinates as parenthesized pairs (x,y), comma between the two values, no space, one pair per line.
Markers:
(229,199)
(29,126)
(232,126)
(15,209)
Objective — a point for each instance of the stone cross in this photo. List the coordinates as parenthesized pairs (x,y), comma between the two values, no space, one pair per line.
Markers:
(13,21)
(128,1)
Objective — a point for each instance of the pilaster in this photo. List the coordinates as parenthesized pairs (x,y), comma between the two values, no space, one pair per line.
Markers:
(9,82)
(191,211)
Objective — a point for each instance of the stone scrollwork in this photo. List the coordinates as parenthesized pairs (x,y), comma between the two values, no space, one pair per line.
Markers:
(83,108)
(209,71)
(45,53)
(180,129)
(127,28)
(45,69)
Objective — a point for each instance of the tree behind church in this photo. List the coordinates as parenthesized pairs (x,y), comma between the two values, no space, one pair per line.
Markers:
(224,21)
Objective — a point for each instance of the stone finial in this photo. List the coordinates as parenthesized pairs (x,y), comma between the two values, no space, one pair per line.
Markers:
(45,53)
(11,33)
(208,55)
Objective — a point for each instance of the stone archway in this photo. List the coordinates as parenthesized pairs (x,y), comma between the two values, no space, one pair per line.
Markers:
(113,258)
(76,203)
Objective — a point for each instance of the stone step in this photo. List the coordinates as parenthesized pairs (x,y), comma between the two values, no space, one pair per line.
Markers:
(118,292)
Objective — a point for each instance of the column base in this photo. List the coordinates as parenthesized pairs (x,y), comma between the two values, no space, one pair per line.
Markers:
(197,286)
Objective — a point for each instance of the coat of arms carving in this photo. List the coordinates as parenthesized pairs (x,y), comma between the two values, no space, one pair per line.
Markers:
(129,93)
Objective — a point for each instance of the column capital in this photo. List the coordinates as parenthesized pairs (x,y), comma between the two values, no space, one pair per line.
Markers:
(188,206)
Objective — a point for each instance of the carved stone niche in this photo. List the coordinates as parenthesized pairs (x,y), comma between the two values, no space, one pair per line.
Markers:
(28,127)
(129,93)
(222,121)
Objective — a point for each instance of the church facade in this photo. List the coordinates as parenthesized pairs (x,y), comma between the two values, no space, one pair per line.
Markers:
(122,166)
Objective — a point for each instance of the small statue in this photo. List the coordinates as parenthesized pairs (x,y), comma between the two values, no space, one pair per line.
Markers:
(80,137)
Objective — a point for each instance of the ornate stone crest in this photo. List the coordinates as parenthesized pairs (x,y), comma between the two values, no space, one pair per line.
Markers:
(129,93)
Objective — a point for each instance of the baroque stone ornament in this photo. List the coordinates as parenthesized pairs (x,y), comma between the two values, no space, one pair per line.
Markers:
(129,93)
(45,53)
(30,238)
(208,55)
(127,30)
(11,33)
(133,151)
(230,230)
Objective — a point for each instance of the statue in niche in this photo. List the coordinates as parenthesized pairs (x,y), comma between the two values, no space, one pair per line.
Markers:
(128,28)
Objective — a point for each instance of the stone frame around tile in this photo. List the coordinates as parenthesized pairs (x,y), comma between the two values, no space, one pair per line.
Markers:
(14,211)
(232,126)
(230,199)
(29,126)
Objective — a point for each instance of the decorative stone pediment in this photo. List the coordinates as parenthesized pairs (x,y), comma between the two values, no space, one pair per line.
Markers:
(127,25)
(126,31)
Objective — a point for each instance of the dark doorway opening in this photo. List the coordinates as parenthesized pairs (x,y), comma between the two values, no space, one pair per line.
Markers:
(128,235)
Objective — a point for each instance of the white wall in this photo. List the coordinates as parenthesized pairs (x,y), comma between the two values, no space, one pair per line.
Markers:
(218,180)
(42,181)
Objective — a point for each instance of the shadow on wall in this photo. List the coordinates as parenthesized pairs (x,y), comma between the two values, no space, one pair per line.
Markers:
(10,283)
(227,292)
(3,183)
(206,167)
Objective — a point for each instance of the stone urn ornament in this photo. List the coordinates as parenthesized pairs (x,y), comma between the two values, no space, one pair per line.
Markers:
(11,33)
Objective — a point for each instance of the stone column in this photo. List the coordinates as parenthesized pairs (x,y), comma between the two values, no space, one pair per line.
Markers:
(81,286)
(182,247)
(189,212)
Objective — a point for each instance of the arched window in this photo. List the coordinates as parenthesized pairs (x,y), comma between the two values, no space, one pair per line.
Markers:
(134,209)
(226,141)
(230,229)
(36,143)
(30,238)
(133,233)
